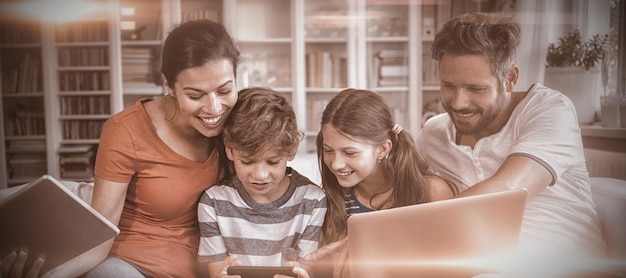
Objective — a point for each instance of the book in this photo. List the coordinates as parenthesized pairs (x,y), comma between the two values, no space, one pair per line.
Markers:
(393,70)
(51,221)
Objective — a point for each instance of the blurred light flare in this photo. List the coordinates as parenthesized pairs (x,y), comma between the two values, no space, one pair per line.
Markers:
(51,11)
(516,262)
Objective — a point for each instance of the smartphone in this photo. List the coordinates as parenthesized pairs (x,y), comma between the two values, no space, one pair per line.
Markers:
(246,271)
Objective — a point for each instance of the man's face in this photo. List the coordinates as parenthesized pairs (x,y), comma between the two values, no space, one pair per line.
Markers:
(471,95)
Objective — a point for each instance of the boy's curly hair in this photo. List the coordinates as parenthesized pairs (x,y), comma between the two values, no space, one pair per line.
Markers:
(262,119)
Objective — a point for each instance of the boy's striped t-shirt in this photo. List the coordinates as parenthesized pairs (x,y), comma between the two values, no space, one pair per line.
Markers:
(231,223)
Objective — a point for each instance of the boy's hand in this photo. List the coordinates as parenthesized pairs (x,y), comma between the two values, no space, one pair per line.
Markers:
(13,265)
(297,269)
(231,260)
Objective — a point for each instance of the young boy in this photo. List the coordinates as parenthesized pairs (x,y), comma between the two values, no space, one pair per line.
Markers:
(267,214)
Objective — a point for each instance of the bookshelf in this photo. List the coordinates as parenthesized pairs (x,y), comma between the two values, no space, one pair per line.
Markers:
(22,129)
(83,89)
(330,45)
(267,46)
(142,28)
(330,56)
(308,50)
(391,42)
(61,80)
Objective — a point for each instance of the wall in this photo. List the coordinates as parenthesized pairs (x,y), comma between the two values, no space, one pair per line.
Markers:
(544,21)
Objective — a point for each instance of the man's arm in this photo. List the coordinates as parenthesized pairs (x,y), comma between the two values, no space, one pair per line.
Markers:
(517,171)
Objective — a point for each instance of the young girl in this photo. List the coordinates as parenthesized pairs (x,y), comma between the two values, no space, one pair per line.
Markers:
(368,162)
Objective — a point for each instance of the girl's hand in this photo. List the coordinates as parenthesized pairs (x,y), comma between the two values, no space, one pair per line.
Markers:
(342,266)
(331,248)
(13,265)
(336,254)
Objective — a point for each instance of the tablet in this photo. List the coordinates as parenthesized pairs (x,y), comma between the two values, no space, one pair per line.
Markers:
(260,271)
(48,219)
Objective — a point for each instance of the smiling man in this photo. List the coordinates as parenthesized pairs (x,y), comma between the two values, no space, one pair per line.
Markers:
(493,139)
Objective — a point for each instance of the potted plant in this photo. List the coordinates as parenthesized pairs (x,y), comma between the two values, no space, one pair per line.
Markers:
(573,68)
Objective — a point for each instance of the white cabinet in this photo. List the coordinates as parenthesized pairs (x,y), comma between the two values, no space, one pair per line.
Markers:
(91,68)
(312,49)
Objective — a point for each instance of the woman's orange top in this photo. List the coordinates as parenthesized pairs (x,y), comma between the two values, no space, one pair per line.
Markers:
(159,226)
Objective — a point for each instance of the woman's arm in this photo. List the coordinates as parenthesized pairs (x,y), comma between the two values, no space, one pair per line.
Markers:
(108,199)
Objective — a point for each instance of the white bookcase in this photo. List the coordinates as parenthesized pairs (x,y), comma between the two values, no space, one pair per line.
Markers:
(312,49)
(92,68)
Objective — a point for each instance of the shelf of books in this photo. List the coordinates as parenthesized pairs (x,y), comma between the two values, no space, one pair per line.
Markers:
(142,26)
(391,41)
(22,126)
(266,44)
(430,71)
(77,161)
(84,89)
(199,9)
(327,47)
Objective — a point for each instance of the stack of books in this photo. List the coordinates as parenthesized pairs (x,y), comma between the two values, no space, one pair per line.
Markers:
(24,79)
(26,158)
(137,65)
(25,123)
(391,68)
(326,70)
(77,162)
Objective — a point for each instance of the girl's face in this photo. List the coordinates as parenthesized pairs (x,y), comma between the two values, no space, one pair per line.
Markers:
(351,161)
(205,96)
(262,175)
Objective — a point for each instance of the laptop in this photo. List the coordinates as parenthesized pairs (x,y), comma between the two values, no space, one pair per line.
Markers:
(448,238)
(48,219)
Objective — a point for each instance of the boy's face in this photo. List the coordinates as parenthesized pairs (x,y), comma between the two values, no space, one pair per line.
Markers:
(263,174)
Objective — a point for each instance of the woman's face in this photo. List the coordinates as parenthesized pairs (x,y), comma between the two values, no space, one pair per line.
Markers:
(206,95)
(351,161)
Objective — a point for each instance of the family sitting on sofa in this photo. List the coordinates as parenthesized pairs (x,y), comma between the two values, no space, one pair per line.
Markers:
(197,180)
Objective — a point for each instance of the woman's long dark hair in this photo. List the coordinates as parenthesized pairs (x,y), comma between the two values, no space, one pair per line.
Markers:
(193,44)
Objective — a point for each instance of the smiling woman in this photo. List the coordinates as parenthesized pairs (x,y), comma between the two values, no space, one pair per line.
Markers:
(156,157)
